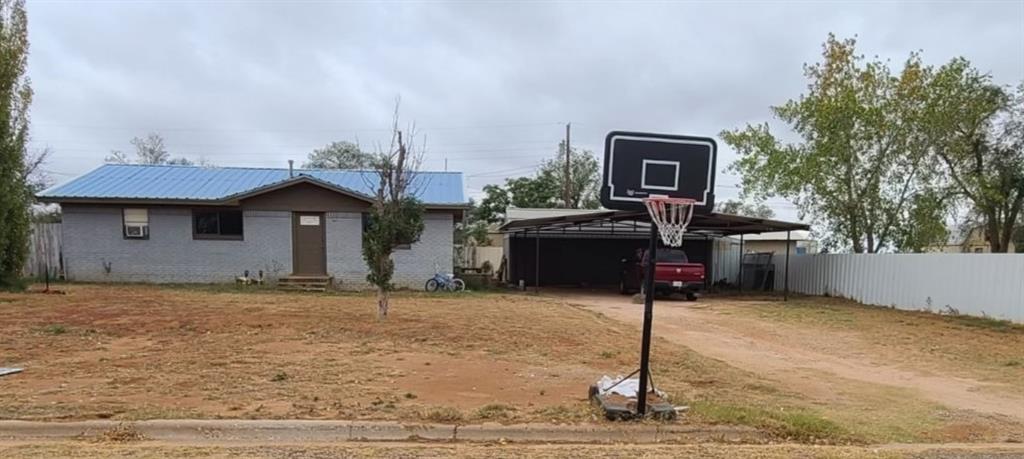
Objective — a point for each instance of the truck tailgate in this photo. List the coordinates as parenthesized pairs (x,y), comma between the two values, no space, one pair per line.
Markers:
(688,272)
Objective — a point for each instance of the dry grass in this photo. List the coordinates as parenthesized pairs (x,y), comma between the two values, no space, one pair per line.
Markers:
(139,352)
(147,352)
(975,347)
(121,433)
(480,451)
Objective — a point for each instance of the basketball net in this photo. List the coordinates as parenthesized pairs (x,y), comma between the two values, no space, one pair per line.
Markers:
(672,215)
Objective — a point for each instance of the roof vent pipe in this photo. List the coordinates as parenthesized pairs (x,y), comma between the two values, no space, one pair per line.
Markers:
(291,172)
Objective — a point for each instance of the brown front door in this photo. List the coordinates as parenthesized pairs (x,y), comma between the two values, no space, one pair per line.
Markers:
(309,256)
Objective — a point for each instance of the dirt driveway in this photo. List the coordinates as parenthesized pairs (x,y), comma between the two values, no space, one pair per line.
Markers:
(825,350)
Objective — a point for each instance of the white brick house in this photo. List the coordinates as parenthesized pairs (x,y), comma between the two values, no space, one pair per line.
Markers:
(163,224)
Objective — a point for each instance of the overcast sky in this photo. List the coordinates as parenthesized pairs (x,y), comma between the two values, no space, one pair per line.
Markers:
(489,86)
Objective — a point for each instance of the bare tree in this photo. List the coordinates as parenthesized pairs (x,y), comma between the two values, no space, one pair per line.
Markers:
(339,155)
(35,177)
(151,150)
(396,216)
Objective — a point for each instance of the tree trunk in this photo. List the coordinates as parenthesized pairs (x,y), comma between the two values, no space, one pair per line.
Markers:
(995,240)
(382,303)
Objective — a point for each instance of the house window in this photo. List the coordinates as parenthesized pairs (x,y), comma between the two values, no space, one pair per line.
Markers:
(136,223)
(367,221)
(217,224)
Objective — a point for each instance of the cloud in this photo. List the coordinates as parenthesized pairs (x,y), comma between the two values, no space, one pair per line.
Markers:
(490,86)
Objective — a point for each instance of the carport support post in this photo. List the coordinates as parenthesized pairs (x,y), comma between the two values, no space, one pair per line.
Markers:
(645,344)
(741,263)
(785,282)
(536,260)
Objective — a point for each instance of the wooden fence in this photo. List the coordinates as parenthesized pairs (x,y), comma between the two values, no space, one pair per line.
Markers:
(45,251)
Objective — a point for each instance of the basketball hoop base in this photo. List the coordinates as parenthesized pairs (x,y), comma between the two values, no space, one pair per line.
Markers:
(672,216)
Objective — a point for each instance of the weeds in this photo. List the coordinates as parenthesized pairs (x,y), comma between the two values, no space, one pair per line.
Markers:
(495,411)
(988,323)
(794,424)
(121,433)
(55,329)
(441,414)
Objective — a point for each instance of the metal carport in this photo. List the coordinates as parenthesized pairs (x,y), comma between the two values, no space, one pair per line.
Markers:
(590,246)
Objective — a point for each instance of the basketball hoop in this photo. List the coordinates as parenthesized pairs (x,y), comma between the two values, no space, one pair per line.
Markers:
(672,215)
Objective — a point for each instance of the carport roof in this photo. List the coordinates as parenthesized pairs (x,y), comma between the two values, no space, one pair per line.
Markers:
(720,224)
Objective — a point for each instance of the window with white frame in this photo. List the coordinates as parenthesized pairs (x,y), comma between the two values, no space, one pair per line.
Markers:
(136,223)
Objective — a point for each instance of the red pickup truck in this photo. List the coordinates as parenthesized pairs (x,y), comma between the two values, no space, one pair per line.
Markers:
(672,273)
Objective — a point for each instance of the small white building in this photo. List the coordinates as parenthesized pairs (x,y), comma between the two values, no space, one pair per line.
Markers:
(800,242)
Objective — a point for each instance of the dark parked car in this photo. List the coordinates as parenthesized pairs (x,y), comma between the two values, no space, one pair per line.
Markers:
(673,273)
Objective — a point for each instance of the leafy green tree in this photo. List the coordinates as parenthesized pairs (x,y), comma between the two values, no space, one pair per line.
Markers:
(15,99)
(339,155)
(977,131)
(861,167)
(759,210)
(546,188)
(492,207)
(472,230)
(149,150)
(540,191)
(396,216)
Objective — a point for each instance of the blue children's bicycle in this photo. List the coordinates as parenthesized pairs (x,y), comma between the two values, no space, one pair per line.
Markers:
(445,281)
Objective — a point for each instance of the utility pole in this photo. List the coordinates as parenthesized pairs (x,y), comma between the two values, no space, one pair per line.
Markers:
(567,190)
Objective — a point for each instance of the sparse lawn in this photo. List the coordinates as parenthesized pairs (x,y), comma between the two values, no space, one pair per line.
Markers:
(976,347)
(710,451)
(144,352)
(818,368)
(137,351)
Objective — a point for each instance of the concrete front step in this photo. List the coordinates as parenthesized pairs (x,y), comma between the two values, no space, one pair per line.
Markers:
(297,288)
(305,283)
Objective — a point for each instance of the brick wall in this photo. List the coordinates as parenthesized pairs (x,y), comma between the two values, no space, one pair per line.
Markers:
(93,238)
(345,250)
(413,266)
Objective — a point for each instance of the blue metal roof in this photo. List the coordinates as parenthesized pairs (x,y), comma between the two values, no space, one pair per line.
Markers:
(130,181)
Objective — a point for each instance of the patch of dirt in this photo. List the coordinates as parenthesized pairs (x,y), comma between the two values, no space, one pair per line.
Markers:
(471,381)
(132,352)
(143,352)
(795,344)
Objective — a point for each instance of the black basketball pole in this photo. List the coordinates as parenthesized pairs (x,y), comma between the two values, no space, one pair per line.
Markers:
(645,344)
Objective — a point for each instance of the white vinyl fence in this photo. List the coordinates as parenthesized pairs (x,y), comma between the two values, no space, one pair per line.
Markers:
(989,285)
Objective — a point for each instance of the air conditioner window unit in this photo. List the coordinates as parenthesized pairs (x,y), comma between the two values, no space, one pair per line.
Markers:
(136,231)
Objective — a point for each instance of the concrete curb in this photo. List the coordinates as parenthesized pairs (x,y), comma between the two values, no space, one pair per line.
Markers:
(194,431)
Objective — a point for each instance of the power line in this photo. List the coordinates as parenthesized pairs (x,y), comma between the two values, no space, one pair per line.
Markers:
(212,129)
(309,146)
(504,171)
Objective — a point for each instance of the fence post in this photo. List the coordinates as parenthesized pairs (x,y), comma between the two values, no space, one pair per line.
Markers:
(785,294)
